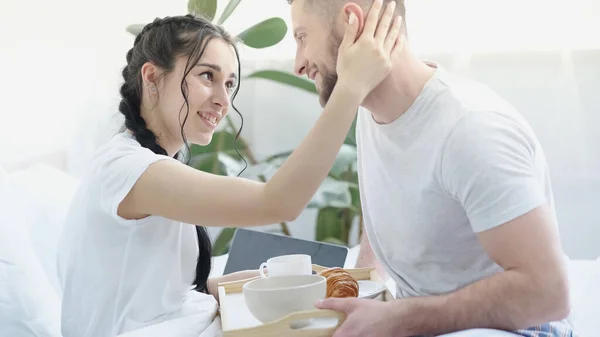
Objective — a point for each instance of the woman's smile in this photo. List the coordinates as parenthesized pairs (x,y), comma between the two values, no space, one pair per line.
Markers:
(210,119)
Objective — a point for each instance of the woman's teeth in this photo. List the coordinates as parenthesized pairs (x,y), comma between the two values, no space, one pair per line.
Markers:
(209,117)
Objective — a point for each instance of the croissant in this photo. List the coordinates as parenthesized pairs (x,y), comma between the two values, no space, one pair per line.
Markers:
(340,283)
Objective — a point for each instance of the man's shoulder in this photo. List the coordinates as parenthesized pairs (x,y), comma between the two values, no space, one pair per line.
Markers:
(470,94)
(476,108)
(451,96)
(451,107)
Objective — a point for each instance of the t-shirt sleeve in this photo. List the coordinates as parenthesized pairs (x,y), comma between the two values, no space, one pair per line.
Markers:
(120,169)
(489,166)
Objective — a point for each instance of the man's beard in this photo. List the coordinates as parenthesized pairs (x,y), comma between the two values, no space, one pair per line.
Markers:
(329,78)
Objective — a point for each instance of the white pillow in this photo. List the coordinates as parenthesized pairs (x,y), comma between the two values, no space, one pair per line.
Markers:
(585,296)
(29,306)
(46,193)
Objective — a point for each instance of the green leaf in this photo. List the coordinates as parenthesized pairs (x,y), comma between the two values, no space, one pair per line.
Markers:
(355,193)
(222,141)
(344,162)
(204,8)
(264,169)
(264,34)
(351,137)
(221,245)
(349,216)
(286,78)
(332,193)
(228,10)
(208,162)
(135,29)
(231,166)
(279,157)
(329,223)
(335,241)
(216,163)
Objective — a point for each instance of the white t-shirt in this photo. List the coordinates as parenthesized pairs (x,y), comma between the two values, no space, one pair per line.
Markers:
(120,275)
(460,161)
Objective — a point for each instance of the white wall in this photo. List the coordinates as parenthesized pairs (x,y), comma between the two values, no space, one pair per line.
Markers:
(61,64)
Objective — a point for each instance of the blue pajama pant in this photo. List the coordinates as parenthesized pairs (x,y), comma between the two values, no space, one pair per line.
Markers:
(553,329)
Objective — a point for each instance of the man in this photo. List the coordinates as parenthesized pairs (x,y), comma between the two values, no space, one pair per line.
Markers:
(456,196)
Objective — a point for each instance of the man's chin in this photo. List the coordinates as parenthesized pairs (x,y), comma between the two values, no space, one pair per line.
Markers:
(322,101)
(324,98)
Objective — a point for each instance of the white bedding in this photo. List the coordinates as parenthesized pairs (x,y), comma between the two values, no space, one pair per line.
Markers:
(200,324)
(30,301)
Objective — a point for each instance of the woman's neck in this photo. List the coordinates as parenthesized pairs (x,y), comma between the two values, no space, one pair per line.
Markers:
(169,142)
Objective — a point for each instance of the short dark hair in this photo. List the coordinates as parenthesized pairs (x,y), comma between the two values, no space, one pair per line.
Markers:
(333,5)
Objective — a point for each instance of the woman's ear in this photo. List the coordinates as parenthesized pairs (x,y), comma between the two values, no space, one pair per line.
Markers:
(361,16)
(149,74)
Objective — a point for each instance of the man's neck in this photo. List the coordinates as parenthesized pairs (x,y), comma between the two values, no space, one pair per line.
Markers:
(396,94)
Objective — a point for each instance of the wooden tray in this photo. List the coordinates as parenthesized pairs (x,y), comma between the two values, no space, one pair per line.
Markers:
(237,321)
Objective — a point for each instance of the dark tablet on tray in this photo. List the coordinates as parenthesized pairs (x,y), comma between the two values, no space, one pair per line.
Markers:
(250,248)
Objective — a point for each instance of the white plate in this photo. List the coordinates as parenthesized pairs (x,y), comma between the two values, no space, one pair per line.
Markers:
(370,289)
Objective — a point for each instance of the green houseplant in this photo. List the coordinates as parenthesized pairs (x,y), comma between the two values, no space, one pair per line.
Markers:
(337,199)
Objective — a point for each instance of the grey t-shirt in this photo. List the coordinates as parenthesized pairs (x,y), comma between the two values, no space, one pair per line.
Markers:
(460,161)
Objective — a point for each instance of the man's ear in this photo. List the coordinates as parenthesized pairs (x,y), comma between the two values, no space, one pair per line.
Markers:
(361,16)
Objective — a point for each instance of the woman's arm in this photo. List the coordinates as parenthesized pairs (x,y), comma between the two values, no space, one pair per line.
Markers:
(176,191)
(213,282)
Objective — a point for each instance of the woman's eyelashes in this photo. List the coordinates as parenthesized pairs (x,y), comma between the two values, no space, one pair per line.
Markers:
(231,85)
(209,76)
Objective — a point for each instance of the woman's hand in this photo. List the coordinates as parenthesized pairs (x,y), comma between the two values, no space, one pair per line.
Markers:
(213,282)
(364,62)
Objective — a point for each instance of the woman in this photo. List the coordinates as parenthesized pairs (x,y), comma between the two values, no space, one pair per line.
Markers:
(128,259)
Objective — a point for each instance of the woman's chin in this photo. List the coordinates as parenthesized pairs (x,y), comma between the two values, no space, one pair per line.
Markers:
(202,139)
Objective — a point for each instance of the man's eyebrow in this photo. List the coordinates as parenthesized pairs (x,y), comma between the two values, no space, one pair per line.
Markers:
(216,68)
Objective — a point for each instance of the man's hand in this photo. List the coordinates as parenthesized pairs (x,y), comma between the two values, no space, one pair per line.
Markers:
(365,317)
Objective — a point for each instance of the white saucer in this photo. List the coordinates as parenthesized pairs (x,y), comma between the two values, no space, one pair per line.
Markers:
(370,289)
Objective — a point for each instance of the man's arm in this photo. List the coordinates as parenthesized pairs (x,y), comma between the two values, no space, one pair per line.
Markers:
(494,168)
(532,289)
(366,257)
(491,165)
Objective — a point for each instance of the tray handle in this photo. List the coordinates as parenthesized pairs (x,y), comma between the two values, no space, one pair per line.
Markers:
(285,323)
(283,326)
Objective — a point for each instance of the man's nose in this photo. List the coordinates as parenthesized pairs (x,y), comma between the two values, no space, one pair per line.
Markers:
(300,65)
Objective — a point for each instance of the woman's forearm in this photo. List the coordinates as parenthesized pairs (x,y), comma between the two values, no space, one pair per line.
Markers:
(213,282)
(294,184)
(179,192)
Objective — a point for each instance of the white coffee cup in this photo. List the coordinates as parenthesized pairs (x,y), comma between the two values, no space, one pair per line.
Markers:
(295,264)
